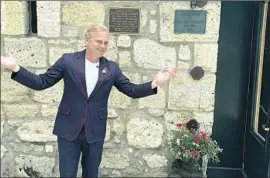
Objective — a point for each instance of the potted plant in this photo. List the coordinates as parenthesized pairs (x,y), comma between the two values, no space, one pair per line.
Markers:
(191,147)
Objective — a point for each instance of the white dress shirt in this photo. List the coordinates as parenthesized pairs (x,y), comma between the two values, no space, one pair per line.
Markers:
(91,75)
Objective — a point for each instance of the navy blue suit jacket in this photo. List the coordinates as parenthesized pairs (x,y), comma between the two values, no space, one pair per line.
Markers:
(76,108)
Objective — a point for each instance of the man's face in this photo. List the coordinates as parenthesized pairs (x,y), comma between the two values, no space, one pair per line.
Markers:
(97,45)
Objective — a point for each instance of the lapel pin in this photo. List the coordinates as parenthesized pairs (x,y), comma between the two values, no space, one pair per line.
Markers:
(105,70)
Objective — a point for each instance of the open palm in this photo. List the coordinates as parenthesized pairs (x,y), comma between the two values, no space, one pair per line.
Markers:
(164,76)
(8,62)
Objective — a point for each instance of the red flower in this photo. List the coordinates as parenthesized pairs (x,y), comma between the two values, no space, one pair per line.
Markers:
(197,139)
(204,134)
(195,154)
(179,125)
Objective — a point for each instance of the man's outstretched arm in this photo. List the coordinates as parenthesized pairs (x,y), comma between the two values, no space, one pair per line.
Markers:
(32,80)
(123,84)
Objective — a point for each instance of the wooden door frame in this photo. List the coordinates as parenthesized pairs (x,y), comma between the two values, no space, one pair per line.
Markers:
(222,118)
(254,93)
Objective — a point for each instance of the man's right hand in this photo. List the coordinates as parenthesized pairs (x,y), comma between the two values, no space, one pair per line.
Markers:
(10,63)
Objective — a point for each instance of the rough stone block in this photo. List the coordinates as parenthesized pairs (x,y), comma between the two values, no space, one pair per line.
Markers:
(49,148)
(114,160)
(83,13)
(124,59)
(156,112)
(108,132)
(70,31)
(206,56)
(21,110)
(154,101)
(11,90)
(183,65)
(133,77)
(207,97)
(144,18)
(112,114)
(123,41)
(155,160)
(14,17)
(29,52)
(144,133)
(56,52)
(7,162)
(48,14)
(153,12)
(50,95)
(49,110)
(34,166)
(118,126)
(15,122)
(24,148)
(149,54)
(3,151)
(37,131)
(186,93)
(118,100)
(112,51)
(70,42)
(153,26)
(167,11)
(184,52)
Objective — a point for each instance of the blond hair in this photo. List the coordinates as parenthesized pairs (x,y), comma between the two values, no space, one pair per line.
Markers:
(93,28)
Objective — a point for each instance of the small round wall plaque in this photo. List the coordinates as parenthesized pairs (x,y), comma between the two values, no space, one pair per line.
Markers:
(197,73)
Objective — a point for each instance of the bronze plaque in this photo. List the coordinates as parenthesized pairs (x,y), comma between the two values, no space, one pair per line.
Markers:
(190,21)
(124,20)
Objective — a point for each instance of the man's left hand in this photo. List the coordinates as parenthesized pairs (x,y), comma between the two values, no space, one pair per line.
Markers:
(164,76)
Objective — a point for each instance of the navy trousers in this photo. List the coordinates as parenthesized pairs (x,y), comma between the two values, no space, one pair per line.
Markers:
(69,155)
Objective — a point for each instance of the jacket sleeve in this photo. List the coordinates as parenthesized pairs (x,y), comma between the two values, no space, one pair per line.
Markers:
(132,90)
(42,81)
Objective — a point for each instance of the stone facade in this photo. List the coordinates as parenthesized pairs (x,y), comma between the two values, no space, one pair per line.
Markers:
(136,139)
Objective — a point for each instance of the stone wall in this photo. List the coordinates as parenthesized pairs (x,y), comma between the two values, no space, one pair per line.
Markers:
(136,139)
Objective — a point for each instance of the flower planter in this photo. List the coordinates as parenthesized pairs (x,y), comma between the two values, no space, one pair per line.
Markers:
(192,148)
(189,169)
(186,169)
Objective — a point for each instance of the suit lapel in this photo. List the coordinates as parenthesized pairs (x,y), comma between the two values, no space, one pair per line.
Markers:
(80,72)
(103,71)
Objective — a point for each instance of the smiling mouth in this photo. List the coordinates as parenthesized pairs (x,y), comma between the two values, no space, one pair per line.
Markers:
(102,51)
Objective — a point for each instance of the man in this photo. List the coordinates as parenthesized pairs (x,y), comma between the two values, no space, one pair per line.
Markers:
(80,123)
